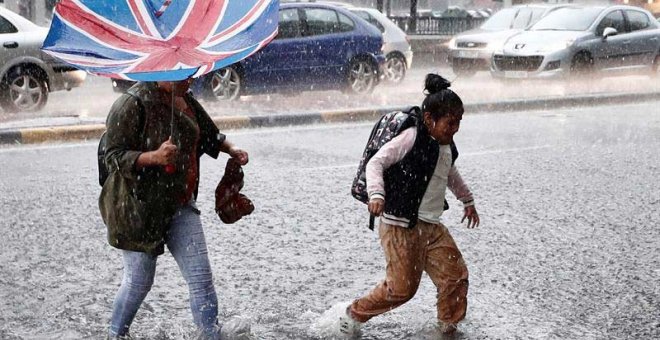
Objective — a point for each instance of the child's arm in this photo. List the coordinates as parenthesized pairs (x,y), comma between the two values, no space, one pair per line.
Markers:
(459,188)
(391,153)
(463,194)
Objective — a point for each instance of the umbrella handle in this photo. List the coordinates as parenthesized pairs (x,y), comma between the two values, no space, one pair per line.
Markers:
(170,168)
(162,8)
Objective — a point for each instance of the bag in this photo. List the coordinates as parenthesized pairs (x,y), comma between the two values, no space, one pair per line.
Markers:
(387,127)
(104,173)
(230,204)
(100,154)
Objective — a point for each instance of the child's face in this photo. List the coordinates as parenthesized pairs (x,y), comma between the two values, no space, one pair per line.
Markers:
(445,127)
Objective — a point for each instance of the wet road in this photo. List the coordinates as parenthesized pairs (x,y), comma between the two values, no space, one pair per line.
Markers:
(568,247)
(93,100)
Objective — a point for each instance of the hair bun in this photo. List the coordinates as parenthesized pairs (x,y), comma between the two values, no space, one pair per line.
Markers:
(435,83)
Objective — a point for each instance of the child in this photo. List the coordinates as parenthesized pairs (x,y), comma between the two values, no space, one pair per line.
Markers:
(406,181)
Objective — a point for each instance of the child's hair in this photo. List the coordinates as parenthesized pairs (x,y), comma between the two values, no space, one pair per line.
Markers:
(440,100)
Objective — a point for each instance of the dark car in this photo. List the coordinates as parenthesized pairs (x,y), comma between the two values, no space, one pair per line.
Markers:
(319,47)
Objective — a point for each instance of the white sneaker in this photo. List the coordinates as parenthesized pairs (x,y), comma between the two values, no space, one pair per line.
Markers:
(349,326)
(236,328)
(335,323)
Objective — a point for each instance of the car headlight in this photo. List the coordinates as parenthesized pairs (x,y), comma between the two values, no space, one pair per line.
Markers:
(452,43)
(556,46)
(495,46)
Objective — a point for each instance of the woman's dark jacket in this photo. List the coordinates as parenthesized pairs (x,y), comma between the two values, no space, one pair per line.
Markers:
(137,205)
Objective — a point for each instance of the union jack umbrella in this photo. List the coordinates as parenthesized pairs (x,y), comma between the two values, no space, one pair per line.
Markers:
(159,40)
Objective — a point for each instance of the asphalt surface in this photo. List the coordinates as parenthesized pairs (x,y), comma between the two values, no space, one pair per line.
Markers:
(568,247)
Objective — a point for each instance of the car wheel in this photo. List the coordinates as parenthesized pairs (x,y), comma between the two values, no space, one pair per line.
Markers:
(581,65)
(362,77)
(226,83)
(25,91)
(395,69)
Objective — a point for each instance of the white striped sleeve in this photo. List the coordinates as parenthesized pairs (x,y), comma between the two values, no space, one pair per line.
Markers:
(459,188)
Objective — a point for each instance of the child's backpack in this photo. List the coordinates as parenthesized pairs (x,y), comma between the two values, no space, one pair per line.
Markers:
(387,127)
(104,173)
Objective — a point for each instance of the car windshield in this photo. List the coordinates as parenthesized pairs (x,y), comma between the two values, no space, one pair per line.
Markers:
(568,19)
(500,20)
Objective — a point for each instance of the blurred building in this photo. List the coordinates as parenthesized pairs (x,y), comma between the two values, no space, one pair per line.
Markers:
(403,6)
(652,5)
(37,11)
(397,7)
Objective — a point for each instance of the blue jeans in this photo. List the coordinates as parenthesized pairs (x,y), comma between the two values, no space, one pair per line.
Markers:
(186,242)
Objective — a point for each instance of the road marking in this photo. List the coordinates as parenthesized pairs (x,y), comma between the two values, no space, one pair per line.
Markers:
(316,127)
(33,147)
(474,153)
(491,152)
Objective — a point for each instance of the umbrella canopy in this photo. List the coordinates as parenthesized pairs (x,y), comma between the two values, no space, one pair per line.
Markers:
(159,40)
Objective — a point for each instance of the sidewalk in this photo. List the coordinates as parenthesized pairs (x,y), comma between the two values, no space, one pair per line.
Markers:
(42,130)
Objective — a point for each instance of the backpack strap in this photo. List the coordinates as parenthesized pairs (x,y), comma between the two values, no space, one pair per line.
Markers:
(415,111)
(454,152)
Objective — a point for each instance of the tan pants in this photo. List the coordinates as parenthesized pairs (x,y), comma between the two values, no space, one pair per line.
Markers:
(409,252)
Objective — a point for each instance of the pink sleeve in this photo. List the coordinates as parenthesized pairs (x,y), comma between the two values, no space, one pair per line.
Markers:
(459,188)
(391,153)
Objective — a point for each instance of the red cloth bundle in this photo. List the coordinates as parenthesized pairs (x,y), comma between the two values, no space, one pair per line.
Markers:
(230,204)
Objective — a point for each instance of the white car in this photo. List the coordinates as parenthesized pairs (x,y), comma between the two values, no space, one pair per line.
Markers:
(28,74)
(471,51)
(396,46)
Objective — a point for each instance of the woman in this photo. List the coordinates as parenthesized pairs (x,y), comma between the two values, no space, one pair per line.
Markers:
(156,134)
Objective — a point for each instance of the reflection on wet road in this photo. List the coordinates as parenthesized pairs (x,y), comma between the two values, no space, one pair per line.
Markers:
(94,99)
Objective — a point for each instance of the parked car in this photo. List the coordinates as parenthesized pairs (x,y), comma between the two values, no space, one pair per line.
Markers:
(396,45)
(580,40)
(28,74)
(319,47)
(471,51)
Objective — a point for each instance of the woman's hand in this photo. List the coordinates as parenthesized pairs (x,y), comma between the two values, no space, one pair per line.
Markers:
(166,153)
(472,217)
(239,154)
(376,206)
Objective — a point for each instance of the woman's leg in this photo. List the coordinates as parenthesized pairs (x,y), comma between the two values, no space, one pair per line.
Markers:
(186,242)
(405,262)
(139,270)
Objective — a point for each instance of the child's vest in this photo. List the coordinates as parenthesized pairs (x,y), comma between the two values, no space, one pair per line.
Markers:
(387,127)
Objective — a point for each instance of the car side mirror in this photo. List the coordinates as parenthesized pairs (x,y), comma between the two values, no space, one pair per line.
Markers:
(609,31)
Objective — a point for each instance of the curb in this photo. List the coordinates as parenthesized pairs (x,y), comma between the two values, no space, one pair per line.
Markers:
(94,131)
